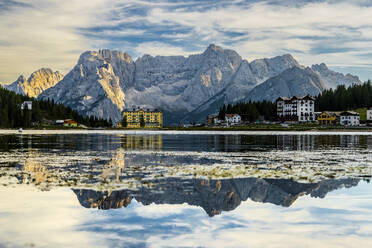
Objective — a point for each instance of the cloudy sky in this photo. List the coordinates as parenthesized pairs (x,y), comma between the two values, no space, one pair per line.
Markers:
(53,33)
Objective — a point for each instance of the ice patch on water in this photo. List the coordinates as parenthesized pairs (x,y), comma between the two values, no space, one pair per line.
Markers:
(139,168)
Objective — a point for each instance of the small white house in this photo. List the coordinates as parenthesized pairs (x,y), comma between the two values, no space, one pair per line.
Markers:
(26,103)
(232,119)
(349,118)
(369,114)
(213,120)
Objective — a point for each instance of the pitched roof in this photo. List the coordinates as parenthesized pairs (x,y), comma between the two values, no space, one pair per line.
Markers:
(307,97)
(349,113)
(141,109)
(283,98)
(331,113)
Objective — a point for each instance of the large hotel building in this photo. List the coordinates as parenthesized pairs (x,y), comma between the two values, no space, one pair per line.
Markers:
(299,109)
(150,118)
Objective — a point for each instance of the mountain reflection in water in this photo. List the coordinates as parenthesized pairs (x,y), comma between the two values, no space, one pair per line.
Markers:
(173,169)
(214,196)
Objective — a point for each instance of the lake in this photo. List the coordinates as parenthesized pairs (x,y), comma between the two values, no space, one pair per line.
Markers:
(185,189)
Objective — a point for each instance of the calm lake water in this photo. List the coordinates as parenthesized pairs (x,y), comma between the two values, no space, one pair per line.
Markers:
(113,189)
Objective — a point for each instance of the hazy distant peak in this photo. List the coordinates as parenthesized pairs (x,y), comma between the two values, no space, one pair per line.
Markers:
(318,67)
(332,78)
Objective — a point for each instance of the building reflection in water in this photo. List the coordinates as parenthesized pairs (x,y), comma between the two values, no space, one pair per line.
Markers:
(312,142)
(349,141)
(115,166)
(296,142)
(142,142)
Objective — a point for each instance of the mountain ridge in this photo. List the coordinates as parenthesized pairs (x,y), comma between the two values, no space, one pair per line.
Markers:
(104,82)
(36,83)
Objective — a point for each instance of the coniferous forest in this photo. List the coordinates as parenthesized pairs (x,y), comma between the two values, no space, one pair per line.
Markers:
(250,111)
(12,116)
(342,98)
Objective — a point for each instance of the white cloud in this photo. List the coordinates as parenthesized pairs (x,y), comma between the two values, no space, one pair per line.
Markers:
(46,35)
(159,48)
(49,35)
(270,30)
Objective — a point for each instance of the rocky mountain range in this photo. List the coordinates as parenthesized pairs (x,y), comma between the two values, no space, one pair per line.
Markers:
(291,82)
(103,83)
(332,79)
(39,81)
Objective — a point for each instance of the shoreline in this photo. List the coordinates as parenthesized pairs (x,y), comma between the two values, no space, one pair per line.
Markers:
(186,132)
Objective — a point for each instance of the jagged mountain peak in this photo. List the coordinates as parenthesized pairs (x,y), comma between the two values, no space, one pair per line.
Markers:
(44,72)
(213,47)
(277,61)
(21,78)
(105,55)
(93,87)
(332,78)
(287,56)
(213,52)
(109,54)
(36,83)
(320,66)
(297,80)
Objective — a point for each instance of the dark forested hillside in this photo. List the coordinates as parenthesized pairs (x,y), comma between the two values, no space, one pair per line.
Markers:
(342,98)
(12,116)
(250,111)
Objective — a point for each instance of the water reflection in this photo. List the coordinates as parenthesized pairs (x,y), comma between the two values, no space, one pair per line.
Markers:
(214,196)
(166,142)
(129,161)
(158,190)
(142,142)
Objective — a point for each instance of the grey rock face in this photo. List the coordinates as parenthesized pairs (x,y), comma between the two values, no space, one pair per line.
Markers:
(103,83)
(92,87)
(248,76)
(332,79)
(39,81)
(292,82)
(179,84)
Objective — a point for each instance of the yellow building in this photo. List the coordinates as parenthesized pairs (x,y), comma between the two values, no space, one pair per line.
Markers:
(329,118)
(148,118)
